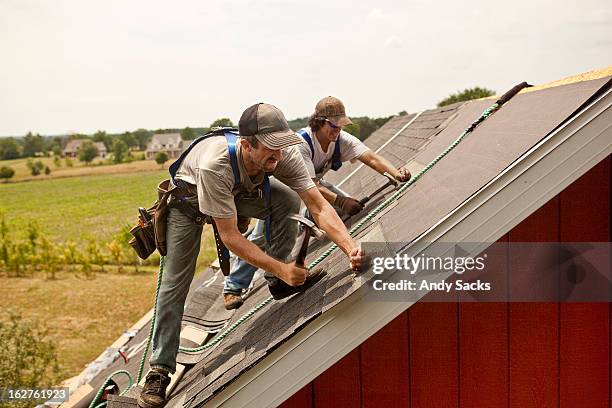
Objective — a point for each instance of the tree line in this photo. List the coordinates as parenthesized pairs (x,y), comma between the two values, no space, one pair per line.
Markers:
(32,145)
(36,145)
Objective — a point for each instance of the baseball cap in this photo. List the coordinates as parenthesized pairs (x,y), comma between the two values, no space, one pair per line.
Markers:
(333,109)
(268,124)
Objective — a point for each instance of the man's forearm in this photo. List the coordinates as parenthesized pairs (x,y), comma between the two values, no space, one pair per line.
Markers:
(327,194)
(251,253)
(329,221)
(380,164)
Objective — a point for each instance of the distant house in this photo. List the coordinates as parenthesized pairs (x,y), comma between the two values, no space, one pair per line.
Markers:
(73,146)
(169,143)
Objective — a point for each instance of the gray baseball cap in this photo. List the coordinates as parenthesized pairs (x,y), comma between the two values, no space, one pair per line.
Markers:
(268,124)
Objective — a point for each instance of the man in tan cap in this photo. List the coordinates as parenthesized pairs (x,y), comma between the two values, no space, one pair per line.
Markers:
(326,147)
(222,177)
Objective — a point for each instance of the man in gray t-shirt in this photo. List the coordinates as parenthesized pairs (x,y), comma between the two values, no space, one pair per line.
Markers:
(205,180)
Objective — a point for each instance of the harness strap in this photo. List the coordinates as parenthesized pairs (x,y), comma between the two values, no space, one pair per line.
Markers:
(230,135)
(336,163)
(306,137)
(267,198)
(231,148)
(222,251)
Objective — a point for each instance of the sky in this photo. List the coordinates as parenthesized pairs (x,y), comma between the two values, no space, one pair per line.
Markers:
(82,66)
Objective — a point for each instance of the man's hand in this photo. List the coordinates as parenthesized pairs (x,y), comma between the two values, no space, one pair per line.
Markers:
(356,258)
(349,205)
(292,274)
(403,175)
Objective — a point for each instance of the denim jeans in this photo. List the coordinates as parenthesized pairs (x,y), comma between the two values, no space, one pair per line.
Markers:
(183,241)
(242,272)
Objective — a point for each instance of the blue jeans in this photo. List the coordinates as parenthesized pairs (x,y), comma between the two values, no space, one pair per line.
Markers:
(242,272)
(183,241)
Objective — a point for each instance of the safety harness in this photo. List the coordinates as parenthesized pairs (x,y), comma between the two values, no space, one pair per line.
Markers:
(336,163)
(230,136)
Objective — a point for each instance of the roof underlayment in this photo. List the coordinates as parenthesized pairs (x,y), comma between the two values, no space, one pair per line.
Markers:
(495,145)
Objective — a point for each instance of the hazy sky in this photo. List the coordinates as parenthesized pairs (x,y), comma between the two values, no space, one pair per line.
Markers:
(79,66)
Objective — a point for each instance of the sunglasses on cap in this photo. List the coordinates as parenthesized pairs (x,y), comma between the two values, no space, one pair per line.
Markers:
(331,124)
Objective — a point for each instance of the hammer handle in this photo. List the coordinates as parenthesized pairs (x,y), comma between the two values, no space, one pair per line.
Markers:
(368,197)
(301,257)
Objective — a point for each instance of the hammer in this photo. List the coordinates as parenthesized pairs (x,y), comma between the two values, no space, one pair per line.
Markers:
(391,182)
(310,228)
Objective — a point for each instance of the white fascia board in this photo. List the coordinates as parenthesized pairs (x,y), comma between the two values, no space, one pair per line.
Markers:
(542,173)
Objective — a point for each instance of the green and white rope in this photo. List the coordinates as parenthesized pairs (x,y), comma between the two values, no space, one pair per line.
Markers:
(106,383)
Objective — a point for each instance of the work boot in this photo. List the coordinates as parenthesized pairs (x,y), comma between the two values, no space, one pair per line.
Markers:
(153,394)
(232,301)
(280,290)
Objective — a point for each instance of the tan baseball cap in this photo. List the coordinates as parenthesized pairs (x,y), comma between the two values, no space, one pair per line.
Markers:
(268,124)
(333,109)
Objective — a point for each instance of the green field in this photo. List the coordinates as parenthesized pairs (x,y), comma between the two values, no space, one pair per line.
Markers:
(83,315)
(78,208)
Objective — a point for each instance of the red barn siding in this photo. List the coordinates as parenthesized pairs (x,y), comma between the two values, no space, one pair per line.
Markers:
(387,353)
(490,354)
(533,327)
(434,358)
(584,327)
(339,385)
(301,399)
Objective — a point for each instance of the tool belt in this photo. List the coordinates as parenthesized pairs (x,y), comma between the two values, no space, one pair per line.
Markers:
(178,200)
(150,233)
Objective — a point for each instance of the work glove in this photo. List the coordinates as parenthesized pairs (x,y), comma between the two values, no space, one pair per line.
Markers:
(243,224)
(404,175)
(348,205)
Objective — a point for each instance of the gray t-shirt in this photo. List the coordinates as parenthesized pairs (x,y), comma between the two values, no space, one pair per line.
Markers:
(319,164)
(208,167)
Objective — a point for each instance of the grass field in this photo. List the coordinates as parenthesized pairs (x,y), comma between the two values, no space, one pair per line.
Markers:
(84,315)
(80,207)
(22,173)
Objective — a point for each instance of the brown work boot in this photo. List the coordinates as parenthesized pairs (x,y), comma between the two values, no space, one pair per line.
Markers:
(153,394)
(232,301)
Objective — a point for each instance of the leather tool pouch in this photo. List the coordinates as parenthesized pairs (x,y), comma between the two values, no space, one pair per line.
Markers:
(143,240)
(150,232)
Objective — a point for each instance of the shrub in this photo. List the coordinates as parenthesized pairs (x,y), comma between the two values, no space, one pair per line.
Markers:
(6,172)
(27,359)
(35,166)
(161,158)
